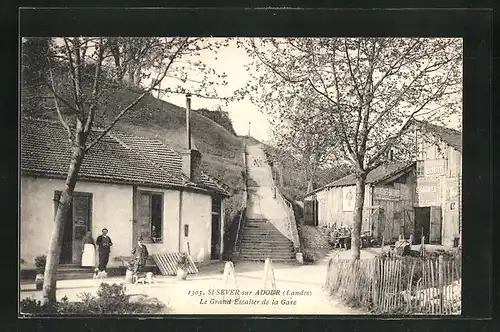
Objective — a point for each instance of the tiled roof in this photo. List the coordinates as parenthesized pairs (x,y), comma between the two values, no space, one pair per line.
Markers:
(45,150)
(452,137)
(377,175)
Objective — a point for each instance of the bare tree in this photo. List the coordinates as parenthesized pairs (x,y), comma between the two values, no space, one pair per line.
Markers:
(80,73)
(370,89)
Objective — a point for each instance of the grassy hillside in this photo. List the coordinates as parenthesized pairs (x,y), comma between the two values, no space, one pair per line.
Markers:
(222,152)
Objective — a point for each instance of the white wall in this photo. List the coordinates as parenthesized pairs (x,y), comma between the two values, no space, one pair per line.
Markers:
(112,208)
(197,213)
(331,207)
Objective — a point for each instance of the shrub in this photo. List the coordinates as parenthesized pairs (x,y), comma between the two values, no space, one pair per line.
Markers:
(40,262)
(308,255)
(110,299)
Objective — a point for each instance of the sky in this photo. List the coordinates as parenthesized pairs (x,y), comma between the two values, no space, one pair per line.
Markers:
(244,114)
(231,61)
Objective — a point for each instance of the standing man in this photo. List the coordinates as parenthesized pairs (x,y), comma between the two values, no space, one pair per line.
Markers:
(140,253)
(104,244)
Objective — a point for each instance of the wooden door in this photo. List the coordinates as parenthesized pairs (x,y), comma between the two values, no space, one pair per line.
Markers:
(82,207)
(435,225)
(309,213)
(215,249)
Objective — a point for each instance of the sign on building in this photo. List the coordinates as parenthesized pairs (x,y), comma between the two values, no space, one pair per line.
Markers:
(451,189)
(427,192)
(405,192)
(386,194)
(434,167)
(348,198)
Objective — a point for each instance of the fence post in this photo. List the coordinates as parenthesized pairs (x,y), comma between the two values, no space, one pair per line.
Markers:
(375,281)
(441,283)
(422,246)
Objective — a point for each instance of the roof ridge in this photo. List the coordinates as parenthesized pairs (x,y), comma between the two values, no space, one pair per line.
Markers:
(32,118)
(401,166)
(185,178)
(149,139)
(422,122)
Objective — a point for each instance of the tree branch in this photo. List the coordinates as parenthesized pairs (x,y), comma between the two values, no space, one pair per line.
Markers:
(138,99)
(95,87)
(56,95)
(339,110)
(72,71)
(59,113)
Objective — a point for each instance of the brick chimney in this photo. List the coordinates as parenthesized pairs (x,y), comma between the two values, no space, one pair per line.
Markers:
(191,159)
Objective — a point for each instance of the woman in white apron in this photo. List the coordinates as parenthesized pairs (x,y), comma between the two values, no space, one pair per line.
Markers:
(88,257)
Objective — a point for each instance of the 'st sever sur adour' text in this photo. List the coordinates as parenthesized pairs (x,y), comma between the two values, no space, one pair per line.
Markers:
(272,292)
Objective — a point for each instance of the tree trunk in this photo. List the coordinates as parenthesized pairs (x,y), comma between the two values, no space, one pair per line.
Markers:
(358,215)
(312,174)
(50,276)
(137,76)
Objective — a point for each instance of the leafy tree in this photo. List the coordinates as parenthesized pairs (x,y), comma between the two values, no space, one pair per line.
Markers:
(367,90)
(80,74)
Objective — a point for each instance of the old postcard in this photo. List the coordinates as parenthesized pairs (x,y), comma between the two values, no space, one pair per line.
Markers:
(190,175)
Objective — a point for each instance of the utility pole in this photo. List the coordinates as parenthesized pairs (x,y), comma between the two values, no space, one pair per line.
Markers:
(249,127)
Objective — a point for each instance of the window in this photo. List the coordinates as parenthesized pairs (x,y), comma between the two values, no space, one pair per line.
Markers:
(150,216)
(216,206)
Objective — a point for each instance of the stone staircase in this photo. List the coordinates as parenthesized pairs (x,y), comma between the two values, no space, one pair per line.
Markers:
(74,271)
(261,240)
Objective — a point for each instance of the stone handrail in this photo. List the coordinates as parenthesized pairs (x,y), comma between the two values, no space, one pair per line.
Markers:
(243,207)
(291,222)
(293,234)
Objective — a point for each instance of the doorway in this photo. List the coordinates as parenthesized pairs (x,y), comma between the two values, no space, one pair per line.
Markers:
(422,224)
(215,248)
(76,225)
(311,212)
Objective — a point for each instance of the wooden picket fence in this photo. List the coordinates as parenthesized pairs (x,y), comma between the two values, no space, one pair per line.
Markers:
(398,285)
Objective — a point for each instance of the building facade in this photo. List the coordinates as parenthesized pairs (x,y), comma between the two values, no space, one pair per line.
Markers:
(387,208)
(420,198)
(132,186)
(438,183)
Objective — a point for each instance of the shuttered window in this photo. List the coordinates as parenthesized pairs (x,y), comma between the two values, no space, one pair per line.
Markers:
(150,210)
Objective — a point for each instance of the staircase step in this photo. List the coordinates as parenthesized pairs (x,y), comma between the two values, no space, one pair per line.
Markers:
(267,242)
(261,238)
(263,232)
(265,255)
(254,249)
(268,249)
(266,245)
(263,259)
